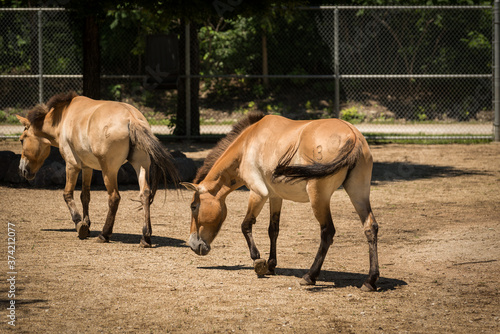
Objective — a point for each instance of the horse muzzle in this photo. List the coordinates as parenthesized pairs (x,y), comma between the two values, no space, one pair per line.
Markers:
(197,244)
(25,170)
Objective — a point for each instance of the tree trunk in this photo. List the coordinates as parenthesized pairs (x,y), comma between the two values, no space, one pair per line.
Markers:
(265,67)
(91,59)
(180,128)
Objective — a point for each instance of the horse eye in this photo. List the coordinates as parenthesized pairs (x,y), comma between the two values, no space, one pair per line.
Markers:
(194,207)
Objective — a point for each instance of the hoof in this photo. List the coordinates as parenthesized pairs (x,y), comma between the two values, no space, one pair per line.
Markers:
(260,266)
(145,244)
(368,287)
(82,229)
(307,280)
(102,239)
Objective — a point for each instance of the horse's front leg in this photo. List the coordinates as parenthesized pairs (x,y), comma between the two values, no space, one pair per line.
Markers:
(274,229)
(255,204)
(83,227)
(111,183)
(69,189)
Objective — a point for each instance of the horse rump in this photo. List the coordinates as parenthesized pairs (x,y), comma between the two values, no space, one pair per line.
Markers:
(347,157)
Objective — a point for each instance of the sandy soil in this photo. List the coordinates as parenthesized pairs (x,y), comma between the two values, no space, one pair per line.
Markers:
(438,210)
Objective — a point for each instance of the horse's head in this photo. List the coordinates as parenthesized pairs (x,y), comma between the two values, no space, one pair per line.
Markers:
(35,150)
(207,215)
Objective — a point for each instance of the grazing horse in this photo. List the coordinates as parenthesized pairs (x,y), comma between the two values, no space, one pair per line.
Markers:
(277,158)
(100,135)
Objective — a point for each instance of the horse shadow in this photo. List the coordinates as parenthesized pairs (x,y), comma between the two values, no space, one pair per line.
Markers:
(339,279)
(128,238)
(406,171)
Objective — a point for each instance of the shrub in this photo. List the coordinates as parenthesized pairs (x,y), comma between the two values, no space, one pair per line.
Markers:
(352,115)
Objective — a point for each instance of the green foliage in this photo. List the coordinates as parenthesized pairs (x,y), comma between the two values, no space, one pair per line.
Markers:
(228,47)
(352,115)
(275,109)
(116,91)
(420,114)
(8,116)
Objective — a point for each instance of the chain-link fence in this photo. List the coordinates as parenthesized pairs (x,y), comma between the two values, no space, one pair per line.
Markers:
(41,55)
(392,71)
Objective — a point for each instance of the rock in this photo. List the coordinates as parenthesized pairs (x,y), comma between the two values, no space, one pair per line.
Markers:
(5,159)
(53,171)
(127,174)
(12,174)
(59,175)
(187,169)
(50,174)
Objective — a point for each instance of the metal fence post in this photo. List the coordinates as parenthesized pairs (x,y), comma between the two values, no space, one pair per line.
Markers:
(496,74)
(188,80)
(336,60)
(40,58)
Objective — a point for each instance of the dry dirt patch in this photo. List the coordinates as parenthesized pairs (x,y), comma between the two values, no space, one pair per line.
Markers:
(437,206)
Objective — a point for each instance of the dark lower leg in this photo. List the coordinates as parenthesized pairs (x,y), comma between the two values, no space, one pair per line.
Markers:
(327,234)
(113,201)
(146,229)
(371,231)
(246,228)
(83,227)
(71,178)
(274,229)
(85,195)
(70,202)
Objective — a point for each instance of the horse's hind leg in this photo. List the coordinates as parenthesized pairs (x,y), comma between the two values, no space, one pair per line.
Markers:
(140,161)
(111,183)
(319,195)
(274,229)
(357,187)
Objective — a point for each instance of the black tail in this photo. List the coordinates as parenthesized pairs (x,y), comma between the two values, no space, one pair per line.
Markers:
(162,162)
(347,157)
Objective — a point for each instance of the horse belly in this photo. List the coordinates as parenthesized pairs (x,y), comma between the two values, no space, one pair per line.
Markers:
(295,192)
(90,160)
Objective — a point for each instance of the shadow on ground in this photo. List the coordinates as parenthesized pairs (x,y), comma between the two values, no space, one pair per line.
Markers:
(403,171)
(338,278)
(127,238)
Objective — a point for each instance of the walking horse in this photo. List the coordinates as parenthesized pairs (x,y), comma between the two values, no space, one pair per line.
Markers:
(277,158)
(99,135)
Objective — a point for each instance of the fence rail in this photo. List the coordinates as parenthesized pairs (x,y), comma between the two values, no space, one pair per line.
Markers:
(390,70)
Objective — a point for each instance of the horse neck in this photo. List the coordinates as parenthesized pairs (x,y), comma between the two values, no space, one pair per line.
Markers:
(223,177)
(50,128)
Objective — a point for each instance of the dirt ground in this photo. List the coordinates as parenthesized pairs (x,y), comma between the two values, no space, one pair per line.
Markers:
(438,210)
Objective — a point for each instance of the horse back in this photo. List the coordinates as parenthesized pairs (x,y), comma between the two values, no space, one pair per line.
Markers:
(317,141)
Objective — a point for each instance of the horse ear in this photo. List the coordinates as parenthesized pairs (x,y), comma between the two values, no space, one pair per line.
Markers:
(190,186)
(24,121)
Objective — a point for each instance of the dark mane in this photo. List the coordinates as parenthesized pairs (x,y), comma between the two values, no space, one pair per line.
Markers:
(224,143)
(36,116)
(61,100)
